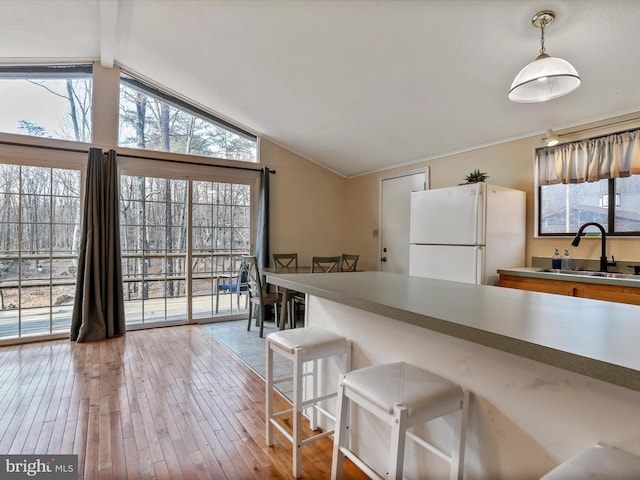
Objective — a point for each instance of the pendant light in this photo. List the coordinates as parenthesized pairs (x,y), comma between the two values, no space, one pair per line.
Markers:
(546,77)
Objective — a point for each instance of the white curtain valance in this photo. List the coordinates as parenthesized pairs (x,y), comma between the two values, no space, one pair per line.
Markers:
(616,155)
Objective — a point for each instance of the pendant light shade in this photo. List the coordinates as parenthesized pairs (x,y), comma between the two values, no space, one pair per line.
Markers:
(546,77)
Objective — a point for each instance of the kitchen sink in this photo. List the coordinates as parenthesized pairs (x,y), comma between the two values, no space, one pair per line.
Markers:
(591,273)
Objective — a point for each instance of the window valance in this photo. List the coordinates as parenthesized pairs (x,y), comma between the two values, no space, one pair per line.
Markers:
(611,156)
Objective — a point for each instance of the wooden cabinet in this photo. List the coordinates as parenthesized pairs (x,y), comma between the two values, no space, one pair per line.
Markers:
(597,291)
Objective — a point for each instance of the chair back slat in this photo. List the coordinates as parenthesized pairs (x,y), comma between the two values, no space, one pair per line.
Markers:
(253,277)
(325,264)
(285,260)
(349,262)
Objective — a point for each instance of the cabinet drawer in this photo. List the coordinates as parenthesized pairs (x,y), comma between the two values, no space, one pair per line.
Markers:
(609,293)
(536,285)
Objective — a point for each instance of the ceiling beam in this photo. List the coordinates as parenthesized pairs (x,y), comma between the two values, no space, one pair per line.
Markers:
(108,17)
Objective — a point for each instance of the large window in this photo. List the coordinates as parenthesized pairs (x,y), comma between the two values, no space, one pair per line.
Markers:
(153,120)
(39,234)
(184,226)
(52,101)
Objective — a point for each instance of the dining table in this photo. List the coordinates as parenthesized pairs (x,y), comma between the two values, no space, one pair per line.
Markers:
(285,291)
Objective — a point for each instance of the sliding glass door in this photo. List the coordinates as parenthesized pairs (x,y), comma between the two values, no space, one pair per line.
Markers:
(183,233)
(153,233)
(39,235)
(221,216)
(182,239)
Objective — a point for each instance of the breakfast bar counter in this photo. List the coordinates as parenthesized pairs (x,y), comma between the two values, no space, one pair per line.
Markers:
(550,375)
(597,339)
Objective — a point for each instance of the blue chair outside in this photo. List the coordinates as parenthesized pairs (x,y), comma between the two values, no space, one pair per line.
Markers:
(239,286)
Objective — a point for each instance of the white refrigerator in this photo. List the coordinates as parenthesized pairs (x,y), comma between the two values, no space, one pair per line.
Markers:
(466,233)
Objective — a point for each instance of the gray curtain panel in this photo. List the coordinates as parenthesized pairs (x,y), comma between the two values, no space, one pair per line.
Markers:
(262,247)
(98,310)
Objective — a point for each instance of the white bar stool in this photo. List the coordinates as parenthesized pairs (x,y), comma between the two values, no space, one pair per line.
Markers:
(302,345)
(403,396)
(600,462)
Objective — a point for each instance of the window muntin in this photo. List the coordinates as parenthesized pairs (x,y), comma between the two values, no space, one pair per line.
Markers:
(39,236)
(563,208)
(51,102)
(152,120)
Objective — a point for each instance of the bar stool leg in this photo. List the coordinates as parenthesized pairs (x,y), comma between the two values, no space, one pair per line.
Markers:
(459,441)
(313,418)
(297,414)
(269,394)
(340,433)
(397,443)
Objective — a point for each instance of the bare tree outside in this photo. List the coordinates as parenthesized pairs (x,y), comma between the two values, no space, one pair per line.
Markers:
(39,230)
(146,122)
(75,124)
(40,216)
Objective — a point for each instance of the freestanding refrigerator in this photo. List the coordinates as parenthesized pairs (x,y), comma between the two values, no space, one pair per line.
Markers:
(466,233)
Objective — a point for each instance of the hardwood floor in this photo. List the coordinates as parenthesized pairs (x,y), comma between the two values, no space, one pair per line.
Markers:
(161,403)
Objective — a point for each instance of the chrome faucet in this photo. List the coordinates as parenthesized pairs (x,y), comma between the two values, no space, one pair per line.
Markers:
(604,263)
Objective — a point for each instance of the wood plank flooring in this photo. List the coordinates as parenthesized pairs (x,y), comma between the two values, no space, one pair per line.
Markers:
(165,403)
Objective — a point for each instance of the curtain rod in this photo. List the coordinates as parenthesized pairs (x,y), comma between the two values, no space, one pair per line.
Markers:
(81,150)
(611,124)
(598,127)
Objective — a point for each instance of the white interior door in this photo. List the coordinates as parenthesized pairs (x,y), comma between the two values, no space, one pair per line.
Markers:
(395,203)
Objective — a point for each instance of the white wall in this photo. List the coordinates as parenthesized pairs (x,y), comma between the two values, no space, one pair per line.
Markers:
(526,417)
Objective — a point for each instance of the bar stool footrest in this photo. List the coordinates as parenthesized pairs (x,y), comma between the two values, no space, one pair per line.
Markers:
(360,464)
(429,446)
(321,398)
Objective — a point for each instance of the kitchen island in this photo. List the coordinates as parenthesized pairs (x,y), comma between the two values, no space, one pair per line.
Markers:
(550,375)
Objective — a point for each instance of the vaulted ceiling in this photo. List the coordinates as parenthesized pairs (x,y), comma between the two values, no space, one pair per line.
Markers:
(356,86)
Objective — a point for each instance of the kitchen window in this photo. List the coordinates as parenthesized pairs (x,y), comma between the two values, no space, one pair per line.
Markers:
(595,180)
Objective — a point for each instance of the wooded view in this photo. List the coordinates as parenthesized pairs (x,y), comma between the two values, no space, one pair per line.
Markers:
(40,218)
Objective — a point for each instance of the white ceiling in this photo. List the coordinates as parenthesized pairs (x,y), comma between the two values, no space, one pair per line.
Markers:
(356,86)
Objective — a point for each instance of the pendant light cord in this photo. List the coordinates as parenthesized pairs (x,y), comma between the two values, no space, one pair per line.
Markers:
(542,49)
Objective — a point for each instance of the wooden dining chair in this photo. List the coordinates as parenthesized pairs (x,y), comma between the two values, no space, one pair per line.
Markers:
(285,260)
(295,308)
(325,264)
(348,262)
(258,294)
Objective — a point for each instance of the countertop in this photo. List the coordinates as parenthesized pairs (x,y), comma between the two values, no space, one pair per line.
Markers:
(535,272)
(590,337)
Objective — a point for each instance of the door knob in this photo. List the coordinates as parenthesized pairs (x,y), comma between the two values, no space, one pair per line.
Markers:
(383,259)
